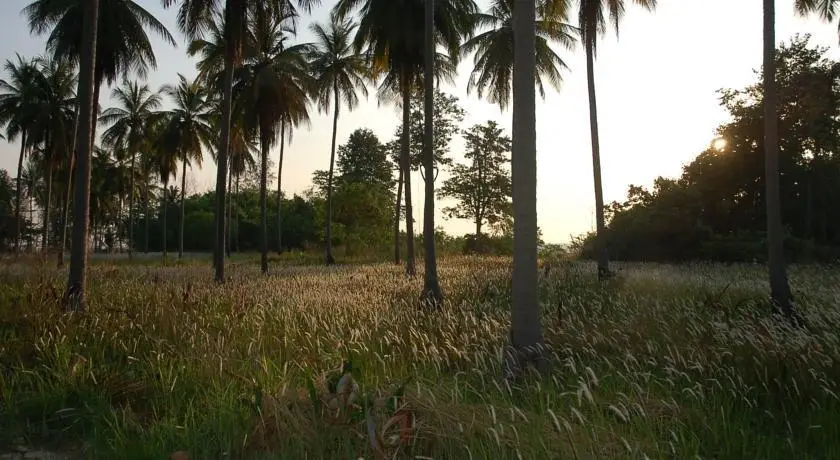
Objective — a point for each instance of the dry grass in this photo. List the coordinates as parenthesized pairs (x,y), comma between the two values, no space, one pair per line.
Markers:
(663,362)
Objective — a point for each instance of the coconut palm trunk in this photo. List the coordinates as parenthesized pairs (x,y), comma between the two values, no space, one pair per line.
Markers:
(264,142)
(131,204)
(65,211)
(163,211)
(224,146)
(280,188)
(146,215)
(397,216)
(526,334)
(229,213)
(601,237)
(329,256)
(410,269)
(183,195)
(18,192)
(47,208)
(779,288)
(237,215)
(432,294)
(81,219)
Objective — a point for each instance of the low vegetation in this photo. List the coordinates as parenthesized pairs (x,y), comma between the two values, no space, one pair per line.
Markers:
(339,362)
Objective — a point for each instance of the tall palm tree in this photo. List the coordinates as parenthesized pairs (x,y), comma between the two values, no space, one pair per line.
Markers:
(526,334)
(164,159)
(432,294)
(128,120)
(194,19)
(273,85)
(189,128)
(779,287)
(390,32)
(85,93)
(493,48)
(593,24)
(17,107)
(123,45)
(339,73)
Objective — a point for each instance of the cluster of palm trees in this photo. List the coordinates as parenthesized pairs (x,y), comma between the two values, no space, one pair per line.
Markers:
(254,86)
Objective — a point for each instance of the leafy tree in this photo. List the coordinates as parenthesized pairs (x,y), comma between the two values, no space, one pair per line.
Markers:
(364,159)
(482,188)
(339,73)
(592,17)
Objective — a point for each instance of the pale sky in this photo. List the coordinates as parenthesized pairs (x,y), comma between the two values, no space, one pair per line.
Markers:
(656,89)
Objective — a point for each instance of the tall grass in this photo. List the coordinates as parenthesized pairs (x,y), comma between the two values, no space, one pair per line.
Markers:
(339,362)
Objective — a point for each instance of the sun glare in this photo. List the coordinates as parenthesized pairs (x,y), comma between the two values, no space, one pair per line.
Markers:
(719,144)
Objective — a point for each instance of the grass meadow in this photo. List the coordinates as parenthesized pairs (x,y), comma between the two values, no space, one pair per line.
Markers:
(340,363)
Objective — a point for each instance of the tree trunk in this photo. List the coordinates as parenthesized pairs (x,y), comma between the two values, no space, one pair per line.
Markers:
(432,295)
(280,188)
(131,205)
(601,237)
(18,192)
(47,205)
(264,140)
(229,213)
(86,93)
(66,210)
(397,217)
(526,334)
(779,289)
(165,203)
(329,256)
(406,167)
(224,146)
(183,195)
(146,215)
(237,215)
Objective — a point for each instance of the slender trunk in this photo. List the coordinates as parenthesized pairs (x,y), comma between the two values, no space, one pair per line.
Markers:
(47,208)
(432,294)
(406,167)
(79,249)
(183,196)
(329,256)
(526,334)
(66,210)
(601,237)
(146,215)
(264,140)
(280,188)
(237,215)
(397,217)
(221,171)
(478,228)
(18,192)
(131,204)
(779,288)
(163,211)
(229,213)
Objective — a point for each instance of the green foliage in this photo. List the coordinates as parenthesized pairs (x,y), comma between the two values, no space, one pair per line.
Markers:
(447,122)
(716,209)
(482,188)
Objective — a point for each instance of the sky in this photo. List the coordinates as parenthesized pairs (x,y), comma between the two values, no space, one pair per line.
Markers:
(656,86)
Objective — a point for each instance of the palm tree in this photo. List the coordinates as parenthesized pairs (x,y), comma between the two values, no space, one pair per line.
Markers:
(273,85)
(189,128)
(194,19)
(164,159)
(432,294)
(592,19)
(779,287)
(493,48)
(339,73)
(825,9)
(390,32)
(17,107)
(526,335)
(136,105)
(81,207)
(123,45)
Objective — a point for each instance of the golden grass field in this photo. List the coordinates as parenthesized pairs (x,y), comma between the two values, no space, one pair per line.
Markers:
(661,362)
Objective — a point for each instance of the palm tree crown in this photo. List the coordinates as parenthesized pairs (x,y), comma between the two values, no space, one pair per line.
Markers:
(493,71)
